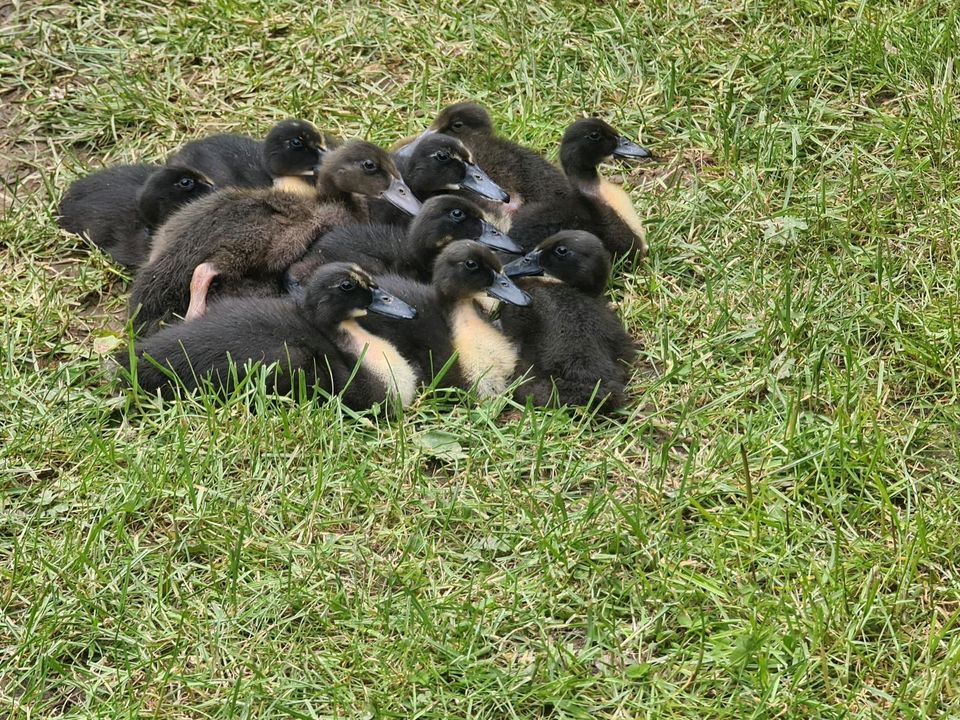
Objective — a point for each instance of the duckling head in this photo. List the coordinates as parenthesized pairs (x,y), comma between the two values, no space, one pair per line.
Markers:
(362,168)
(441,162)
(468,270)
(574,257)
(167,189)
(588,142)
(340,291)
(293,147)
(445,218)
(462,120)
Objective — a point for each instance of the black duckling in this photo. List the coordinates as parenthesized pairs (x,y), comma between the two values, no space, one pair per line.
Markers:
(291,150)
(388,248)
(315,343)
(246,239)
(590,202)
(449,320)
(570,337)
(524,174)
(118,208)
(439,164)
(230,160)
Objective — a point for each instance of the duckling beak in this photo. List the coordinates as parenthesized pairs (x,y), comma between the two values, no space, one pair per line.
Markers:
(401,196)
(386,304)
(491,237)
(504,289)
(628,149)
(477,180)
(529,264)
(407,150)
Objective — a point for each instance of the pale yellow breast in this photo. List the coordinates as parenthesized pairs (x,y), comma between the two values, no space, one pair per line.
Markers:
(487,359)
(296,185)
(617,200)
(382,360)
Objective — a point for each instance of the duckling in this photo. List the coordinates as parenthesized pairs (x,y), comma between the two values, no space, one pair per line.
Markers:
(439,164)
(229,159)
(590,202)
(525,175)
(290,152)
(570,338)
(316,344)
(118,208)
(387,248)
(246,239)
(448,320)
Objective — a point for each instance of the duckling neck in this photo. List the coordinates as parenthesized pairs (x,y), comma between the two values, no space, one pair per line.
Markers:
(382,360)
(589,181)
(486,357)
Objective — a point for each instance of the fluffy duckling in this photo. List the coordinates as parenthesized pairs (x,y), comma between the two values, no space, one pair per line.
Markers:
(387,248)
(230,160)
(290,152)
(449,320)
(246,239)
(520,171)
(316,344)
(590,202)
(570,338)
(118,208)
(439,164)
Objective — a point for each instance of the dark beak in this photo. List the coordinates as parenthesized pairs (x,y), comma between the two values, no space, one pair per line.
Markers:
(491,237)
(529,264)
(386,304)
(321,152)
(401,196)
(407,150)
(478,181)
(629,149)
(504,289)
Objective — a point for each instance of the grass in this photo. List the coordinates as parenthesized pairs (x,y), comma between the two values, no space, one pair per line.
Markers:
(771,530)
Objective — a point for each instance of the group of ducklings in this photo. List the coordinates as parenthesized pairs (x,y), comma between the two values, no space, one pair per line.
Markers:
(461,259)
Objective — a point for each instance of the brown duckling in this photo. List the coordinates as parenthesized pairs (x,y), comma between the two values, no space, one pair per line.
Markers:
(449,320)
(524,174)
(246,239)
(315,344)
(574,345)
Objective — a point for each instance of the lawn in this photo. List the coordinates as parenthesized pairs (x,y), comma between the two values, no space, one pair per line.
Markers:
(770,530)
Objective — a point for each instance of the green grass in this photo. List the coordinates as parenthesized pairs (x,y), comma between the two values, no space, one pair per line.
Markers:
(772,530)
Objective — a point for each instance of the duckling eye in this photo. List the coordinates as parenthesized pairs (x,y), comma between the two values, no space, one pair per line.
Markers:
(470,264)
(186,183)
(561,250)
(369,166)
(458,214)
(456,125)
(595,135)
(441,156)
(347,286)
(295,143)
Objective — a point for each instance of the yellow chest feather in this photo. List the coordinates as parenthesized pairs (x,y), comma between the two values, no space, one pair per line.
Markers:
(382,360)
(296,185)
(617,200)
(486,357)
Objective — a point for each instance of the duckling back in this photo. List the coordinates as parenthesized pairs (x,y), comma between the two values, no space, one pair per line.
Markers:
(229,160)
(103,207)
